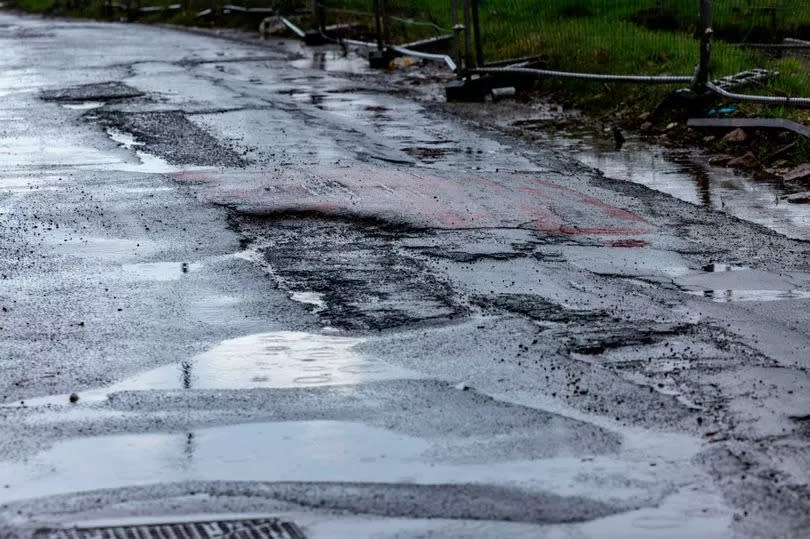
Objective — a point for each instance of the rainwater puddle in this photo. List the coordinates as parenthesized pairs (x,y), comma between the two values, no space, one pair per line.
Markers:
(266,360)
(140,190)
(126,140)
(286,451)
(339,451)
(333,60)
(687,176)
(159,271)
(148,163)
(310,298)
(726,283)
(86,105)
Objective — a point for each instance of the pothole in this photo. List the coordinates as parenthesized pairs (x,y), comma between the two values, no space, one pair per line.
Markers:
(354,275)
(266,360)
(171,136)
(105,91)
(83,105)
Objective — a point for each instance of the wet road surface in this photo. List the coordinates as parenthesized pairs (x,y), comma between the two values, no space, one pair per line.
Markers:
(281,285)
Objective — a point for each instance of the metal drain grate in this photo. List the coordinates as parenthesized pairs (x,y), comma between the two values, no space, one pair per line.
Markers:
(269,528)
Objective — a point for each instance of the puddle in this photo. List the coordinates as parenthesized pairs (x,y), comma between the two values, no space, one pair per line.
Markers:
(314,451)
(729,296)
(719,268)
(287,451)
(85,105)
(310,298)
(339,451)
(159,271)
(333,60)
(726,283)
(686,513)
(266,360)
(685,175)
(140,190)
(126,140)
(148,163)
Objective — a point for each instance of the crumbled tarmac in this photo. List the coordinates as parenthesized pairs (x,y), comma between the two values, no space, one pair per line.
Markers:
(172,136)
(366,282)
(105,91)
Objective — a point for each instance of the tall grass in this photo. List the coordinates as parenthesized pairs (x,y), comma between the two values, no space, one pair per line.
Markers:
(601,36)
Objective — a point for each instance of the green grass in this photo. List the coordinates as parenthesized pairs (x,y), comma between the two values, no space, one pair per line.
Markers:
(601,36)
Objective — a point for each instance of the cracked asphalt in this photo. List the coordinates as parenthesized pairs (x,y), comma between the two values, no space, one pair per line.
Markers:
(280,284)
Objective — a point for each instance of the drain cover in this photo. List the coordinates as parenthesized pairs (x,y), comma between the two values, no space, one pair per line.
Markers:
(270,528)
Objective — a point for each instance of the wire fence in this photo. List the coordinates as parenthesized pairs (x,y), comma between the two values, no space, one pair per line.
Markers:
(767,34)
(655,41)
(639,41)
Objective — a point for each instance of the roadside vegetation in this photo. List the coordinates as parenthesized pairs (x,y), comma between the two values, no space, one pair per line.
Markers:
(648,37)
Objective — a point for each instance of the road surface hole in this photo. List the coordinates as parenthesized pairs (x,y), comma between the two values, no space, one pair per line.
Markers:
(266,360)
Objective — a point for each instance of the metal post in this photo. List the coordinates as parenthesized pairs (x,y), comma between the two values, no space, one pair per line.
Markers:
(457,29)
(479,50)
(378,25)
(468,61)
(701,78)
(387,26)
(318,15)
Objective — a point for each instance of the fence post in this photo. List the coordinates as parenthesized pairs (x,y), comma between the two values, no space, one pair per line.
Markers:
(701,77)
(381,58)
(387,25)
(468,60)
(457,29)
(317,15)
(479,50)
(378,25)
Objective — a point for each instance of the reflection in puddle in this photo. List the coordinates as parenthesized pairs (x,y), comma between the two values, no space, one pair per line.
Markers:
(719,268)
(725,283)
(310,298)
(286,451)
(333,61)
(340,451)
(685,175)
(279,359)
(149,163)
(728,296)
(86,105)
(159,271)
(126,140)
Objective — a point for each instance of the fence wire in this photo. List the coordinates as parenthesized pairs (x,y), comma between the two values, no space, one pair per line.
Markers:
(400,21)
(639,39)
(594,36)
(769,34)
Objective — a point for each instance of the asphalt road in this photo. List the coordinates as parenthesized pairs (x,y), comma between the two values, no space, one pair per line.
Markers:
(282,285)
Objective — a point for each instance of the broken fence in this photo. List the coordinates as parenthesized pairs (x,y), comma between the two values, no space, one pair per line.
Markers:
(710,46)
